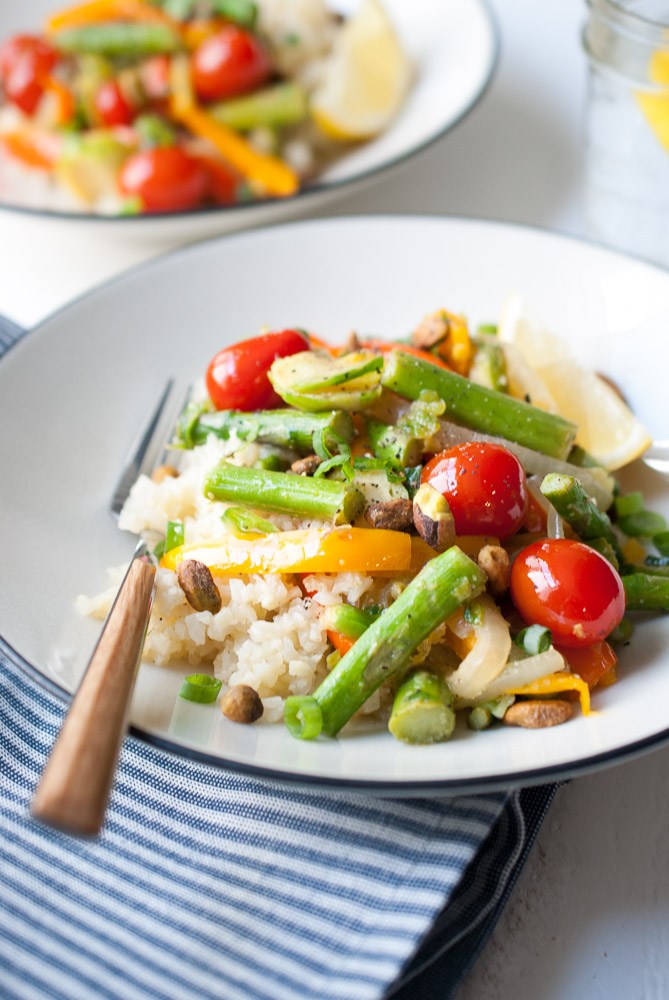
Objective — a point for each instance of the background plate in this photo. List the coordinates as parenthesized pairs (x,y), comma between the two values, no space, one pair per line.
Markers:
(74,392)
(453,46)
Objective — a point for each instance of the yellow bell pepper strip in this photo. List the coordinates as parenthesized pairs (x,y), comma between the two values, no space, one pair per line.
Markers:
(555,683)
(269,173)
(456,348)
(341,550)
(198,31)
(421,553)
(99,11)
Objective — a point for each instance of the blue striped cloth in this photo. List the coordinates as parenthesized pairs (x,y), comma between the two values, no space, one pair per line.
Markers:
(207,884)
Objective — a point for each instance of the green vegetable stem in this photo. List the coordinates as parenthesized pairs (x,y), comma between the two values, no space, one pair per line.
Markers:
(273,107)
(284,493)
(119,38)
(644,592)
(347,620)
(573,504)
(478,407)
(282,428)
(422,710)
(385,648)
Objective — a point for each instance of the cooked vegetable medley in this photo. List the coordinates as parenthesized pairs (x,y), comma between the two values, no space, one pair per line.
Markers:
(144,106)
(444,547)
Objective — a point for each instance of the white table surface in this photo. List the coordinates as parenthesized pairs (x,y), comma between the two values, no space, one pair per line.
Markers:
(589,917)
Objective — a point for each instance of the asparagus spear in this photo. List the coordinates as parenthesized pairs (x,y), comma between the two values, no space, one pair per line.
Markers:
(347,620)
(283,428)
(575,506)
(242,12)
(481,716)
(644,592)
(443,584)
(119,38)
(284,493)
(478,407)
(422,710)
(274,107)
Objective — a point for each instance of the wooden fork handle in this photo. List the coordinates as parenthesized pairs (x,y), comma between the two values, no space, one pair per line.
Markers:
(76,782)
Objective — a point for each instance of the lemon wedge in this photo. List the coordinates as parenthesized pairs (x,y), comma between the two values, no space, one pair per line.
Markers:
(365,79)
(655,105)
(607,428)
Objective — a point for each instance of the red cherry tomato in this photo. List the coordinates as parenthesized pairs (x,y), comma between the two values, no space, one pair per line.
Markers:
(25,63)
(591,663)
(237,376)
(570,589)
(112,105)
(222,182)
(166,179)
(232,61)
(485,487)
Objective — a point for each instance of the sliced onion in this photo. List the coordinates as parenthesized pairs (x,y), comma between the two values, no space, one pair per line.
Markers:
(517,673)
(489,655)
(554,523)
(596,481)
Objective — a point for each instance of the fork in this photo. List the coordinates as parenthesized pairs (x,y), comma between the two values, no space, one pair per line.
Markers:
(74,788)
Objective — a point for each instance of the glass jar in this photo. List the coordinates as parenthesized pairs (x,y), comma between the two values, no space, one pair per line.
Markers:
(627,126)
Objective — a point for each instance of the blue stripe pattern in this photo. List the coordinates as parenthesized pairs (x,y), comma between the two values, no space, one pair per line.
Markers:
(207,885)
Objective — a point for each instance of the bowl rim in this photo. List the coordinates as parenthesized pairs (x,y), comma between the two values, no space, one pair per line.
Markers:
(307,194)
(404,787)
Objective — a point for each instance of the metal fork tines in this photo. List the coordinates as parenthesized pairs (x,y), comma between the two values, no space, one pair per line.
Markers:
(150,447)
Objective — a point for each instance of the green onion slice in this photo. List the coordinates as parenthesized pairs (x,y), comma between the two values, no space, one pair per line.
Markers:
(202,688)
(303,717)
(246,522)
(534,639)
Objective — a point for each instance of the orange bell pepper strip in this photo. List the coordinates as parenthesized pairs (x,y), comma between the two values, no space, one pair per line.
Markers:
(97,11)
(32,147)
(341,643)
(65,104)
(340,550)
(383,346)
(555,683)
(269,173)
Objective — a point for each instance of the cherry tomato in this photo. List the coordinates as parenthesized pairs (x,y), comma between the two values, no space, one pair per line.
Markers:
(232,61)
(112,105)
(570,589)
(166,179)
(485,487)
(389,345)
(25,62)
(591,663)
(222,182)
(237,376)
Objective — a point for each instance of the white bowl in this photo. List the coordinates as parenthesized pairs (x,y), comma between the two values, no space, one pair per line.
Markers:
(74,392)
(453,46)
